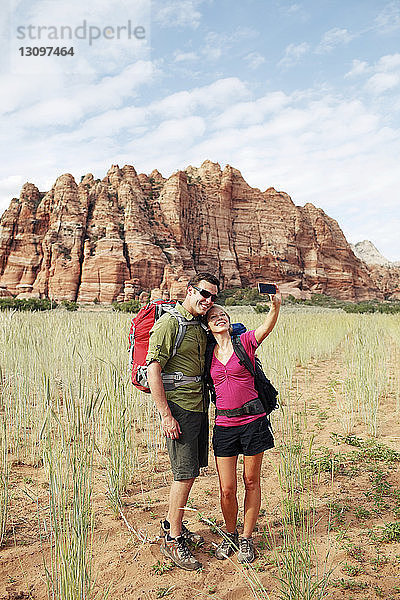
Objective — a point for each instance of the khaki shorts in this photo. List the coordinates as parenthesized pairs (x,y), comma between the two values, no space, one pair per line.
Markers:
(190,452)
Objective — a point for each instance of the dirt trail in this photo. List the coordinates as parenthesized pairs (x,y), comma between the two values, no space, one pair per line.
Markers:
(128,567)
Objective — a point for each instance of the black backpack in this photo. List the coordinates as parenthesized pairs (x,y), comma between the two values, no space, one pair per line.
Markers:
(266,391)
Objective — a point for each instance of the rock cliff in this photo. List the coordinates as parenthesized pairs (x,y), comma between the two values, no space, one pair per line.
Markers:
(109,239)
(384,273)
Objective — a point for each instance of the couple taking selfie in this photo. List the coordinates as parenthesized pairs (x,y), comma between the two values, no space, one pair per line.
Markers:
(175,380)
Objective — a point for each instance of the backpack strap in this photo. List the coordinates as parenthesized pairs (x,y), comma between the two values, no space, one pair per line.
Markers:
(242,355)
(182,326)
(266,391)
(209,384)
(208,357)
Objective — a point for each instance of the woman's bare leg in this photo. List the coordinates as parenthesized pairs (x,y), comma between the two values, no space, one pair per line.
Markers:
(226,467)
(252,499)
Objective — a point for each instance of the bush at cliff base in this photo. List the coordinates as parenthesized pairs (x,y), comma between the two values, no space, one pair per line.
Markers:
(69,305)
(248,296)
(132,306)
(28,304)
(321,300)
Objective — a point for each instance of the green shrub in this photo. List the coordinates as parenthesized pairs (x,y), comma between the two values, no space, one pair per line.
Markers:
(27,304)
(261,308)
(230,301)
(69,305)
(241,297)
(132,306)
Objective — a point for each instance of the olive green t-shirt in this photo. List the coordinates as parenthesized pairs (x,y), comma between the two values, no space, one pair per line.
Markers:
(189,358)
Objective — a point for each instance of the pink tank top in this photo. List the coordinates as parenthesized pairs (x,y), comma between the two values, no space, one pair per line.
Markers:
(234,385)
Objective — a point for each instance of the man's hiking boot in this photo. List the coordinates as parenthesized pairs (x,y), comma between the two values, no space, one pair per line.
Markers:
(246,550)
(190,537)
(176,550)
(228,546)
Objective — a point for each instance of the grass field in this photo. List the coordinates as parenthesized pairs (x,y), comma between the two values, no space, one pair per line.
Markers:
(84,476)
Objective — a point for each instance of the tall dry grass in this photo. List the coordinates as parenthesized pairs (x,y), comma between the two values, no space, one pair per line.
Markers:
(67,400)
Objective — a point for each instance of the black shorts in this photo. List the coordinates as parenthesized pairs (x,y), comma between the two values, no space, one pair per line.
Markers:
(250,439)
(190,451)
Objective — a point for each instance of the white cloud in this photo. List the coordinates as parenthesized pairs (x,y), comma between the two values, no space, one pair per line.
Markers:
(9,187)
(254,60)
(359,67)
(292,10)
(68,107)
(218,44)
(185,56)
(381,77)
(242,114)
(168,133)
(318,147)
(389,62)
(211,97)
(104,55)
(58,13)
(382,82)
(293,54)
(178,13)
(389,18)
(332,38)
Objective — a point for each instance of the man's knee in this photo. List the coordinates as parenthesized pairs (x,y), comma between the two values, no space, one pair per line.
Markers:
(183,484)
(186,482)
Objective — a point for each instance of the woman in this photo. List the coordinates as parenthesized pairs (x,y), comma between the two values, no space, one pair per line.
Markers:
(238,433)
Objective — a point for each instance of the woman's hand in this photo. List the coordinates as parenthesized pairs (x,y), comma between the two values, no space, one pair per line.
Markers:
(276,299)
(265,329)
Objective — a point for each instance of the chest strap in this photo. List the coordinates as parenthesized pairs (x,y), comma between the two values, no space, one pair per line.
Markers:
(173,380)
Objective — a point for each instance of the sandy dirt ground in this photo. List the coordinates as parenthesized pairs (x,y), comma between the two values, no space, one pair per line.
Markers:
(350,502)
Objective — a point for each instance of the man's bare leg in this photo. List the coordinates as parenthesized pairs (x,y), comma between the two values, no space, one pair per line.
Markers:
(178,497)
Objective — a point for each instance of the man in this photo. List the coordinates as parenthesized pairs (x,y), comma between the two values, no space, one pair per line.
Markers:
(181,406)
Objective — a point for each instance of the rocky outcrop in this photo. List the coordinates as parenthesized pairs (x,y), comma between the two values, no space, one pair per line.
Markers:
(368,253)
(110,239)
(384,273)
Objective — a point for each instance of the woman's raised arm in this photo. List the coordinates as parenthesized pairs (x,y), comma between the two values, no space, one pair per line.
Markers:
(272,316)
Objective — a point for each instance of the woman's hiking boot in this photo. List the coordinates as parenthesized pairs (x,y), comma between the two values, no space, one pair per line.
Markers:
(228,546)
(176,550)
(246,550)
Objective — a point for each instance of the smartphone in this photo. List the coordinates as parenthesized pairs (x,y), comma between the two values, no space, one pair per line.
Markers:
(266,288)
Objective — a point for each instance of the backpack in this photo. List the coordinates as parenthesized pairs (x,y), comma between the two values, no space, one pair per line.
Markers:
(139,335)
(266,391)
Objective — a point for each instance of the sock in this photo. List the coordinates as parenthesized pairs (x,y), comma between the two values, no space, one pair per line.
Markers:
(167,524)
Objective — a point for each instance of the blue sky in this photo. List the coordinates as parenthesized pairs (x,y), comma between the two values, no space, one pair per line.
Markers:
(299,95)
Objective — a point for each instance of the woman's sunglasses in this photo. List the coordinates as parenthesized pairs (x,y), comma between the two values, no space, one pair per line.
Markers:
(205,293)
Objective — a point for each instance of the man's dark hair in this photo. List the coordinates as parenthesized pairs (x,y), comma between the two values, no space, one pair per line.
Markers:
(209,277)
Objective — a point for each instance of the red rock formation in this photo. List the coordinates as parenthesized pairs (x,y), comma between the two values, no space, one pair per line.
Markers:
(110,239)
(387,279)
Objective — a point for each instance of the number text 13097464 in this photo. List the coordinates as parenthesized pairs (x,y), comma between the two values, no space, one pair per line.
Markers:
(46,51)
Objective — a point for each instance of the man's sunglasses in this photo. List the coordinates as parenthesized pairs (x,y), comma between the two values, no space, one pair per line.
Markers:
(205,293)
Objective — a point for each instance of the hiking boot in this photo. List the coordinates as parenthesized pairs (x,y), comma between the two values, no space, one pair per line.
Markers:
(176,550)
(190,537)
(246,550)
(228,546)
